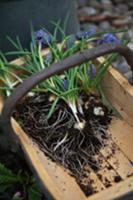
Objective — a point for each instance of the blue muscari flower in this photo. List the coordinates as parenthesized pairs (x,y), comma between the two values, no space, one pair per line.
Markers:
(48,59)
(65,84)
(91,70)
(85,34)
(80,35)
(70,42)
(42,37)
(109,38)
(39,34)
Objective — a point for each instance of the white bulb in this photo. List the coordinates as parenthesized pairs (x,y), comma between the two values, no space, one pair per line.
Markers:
(98,111)
(31,94)
(51,98)
(79,125)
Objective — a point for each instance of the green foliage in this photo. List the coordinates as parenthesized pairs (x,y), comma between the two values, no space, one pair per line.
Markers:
(72,82)
(7,76)
(33,192)
(9,179)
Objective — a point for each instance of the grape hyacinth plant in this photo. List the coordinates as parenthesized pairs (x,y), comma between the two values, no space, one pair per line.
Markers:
(109,38)
(86,77)
(7,76)
(42,37)
(67,114)
(91,70)
(85,34)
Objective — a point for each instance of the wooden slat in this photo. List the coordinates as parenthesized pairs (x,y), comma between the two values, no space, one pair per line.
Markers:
(106,173)
(66,184)
(122,134)
(97,183)
(117,160)
(119,93)
(107,176)
(92,178)
(57,172)
(114,192)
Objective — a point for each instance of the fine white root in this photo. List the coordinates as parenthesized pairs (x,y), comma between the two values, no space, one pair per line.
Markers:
(61,142)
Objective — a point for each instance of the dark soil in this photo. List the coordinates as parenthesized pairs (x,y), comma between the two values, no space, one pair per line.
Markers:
(58,136)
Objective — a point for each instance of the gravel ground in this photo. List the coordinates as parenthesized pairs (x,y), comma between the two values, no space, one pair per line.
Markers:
(107,14)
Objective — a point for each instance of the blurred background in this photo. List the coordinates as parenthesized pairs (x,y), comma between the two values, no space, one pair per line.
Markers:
(105,15)
(17,15)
